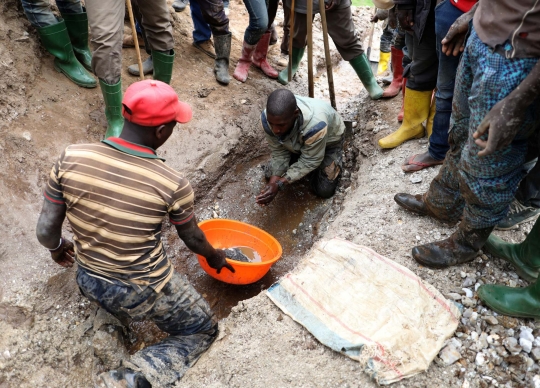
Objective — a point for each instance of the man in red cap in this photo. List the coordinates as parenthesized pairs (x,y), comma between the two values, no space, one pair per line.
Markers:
(116,195)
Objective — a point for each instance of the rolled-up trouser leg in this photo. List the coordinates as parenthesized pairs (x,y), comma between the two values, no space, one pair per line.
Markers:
(488,184)
(156,21)
(177,309)
(343,32)
(106,19)
(325,178)
(214,14)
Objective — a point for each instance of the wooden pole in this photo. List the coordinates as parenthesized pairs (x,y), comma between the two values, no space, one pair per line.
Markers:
(327,58)
(291,35)
(309,15)
(135,39)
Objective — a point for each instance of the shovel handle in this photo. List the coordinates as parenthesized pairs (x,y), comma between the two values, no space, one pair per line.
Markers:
(309,15)
(328,60)
(291,35)
(135,39)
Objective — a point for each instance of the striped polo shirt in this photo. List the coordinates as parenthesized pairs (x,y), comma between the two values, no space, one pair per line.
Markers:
(117,195)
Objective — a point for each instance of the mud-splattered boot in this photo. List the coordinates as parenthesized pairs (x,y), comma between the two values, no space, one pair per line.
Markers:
(163,65)
(244,62)
(461,247)
(362,67)
(397,74)
(260,54)
(222,45)
(296,57)
(112,95)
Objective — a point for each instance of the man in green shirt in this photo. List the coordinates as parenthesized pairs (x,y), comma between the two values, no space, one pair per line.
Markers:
(305,136)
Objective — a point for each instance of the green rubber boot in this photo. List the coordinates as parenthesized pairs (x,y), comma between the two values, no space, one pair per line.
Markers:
(362,67)
(77,26)
(296,57)
(514,302)
(525,256)
(112,95)
(56,41)
(163,66)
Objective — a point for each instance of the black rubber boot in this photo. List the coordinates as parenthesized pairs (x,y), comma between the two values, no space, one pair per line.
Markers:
(461,247)
(147,65)
(222,45)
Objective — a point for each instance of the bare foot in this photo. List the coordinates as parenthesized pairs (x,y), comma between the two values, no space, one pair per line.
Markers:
(419,162)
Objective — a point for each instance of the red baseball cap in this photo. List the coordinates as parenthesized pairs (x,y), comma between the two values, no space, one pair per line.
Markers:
(151,103)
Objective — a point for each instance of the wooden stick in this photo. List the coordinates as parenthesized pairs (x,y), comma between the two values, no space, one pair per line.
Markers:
(135,39)
(291,35)
(309,15)
(327,58)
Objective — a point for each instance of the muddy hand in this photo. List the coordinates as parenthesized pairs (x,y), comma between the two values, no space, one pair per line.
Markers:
(218,261)
(454,41)
(500,125)
(65,254)
(406,18)
(267,194)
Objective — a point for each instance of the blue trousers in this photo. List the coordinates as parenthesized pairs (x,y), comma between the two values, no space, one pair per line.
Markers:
(177,309)
(39,13)
(445,15)
(482,188)
(201,29)
(261,16)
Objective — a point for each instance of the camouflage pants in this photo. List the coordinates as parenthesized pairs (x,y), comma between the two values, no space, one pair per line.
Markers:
(481,188)
(178,310)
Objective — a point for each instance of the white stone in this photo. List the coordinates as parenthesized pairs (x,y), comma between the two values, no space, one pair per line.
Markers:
(536,381)
(27,135)
(535,354)
(7,354)
(466,383)
(526,333)
(474,336)
(468,292)
(480,359)
(449,354)
(525,344)
(511,344)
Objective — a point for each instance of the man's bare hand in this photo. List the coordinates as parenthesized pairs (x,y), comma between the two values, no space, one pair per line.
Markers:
(65,254)
(267,194)
(500,125)
(454,41)
(218,261)
(406,18)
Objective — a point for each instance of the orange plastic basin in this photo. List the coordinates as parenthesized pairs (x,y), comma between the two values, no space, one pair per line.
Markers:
(223,234)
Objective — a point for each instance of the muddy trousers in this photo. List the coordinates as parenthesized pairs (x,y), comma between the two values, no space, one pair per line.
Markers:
(178,310)
(481,188)
(106,19)
(340,28)
(40,15)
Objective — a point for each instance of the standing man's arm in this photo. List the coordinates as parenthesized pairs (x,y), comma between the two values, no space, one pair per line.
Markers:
(49,233)
(504,120)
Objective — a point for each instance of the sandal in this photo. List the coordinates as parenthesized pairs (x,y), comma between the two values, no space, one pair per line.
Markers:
(412,165)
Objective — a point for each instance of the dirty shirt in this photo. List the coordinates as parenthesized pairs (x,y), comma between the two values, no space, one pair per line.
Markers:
(117,195)
(318,127)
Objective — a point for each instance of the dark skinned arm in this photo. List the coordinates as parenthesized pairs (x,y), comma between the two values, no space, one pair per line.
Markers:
(454,41)
(196,241)
(49,233)
(269,192)
(504,120)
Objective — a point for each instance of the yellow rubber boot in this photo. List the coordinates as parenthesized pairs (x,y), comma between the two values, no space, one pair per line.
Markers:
(429,122)
(417,107)
(383,63)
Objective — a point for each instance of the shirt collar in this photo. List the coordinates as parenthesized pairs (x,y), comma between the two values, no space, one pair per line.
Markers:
(132,148)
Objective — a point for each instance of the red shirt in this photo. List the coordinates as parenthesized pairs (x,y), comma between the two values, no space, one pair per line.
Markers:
(463,5)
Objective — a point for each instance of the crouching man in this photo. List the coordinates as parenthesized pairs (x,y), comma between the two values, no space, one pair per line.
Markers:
(305,136)
(116,195)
